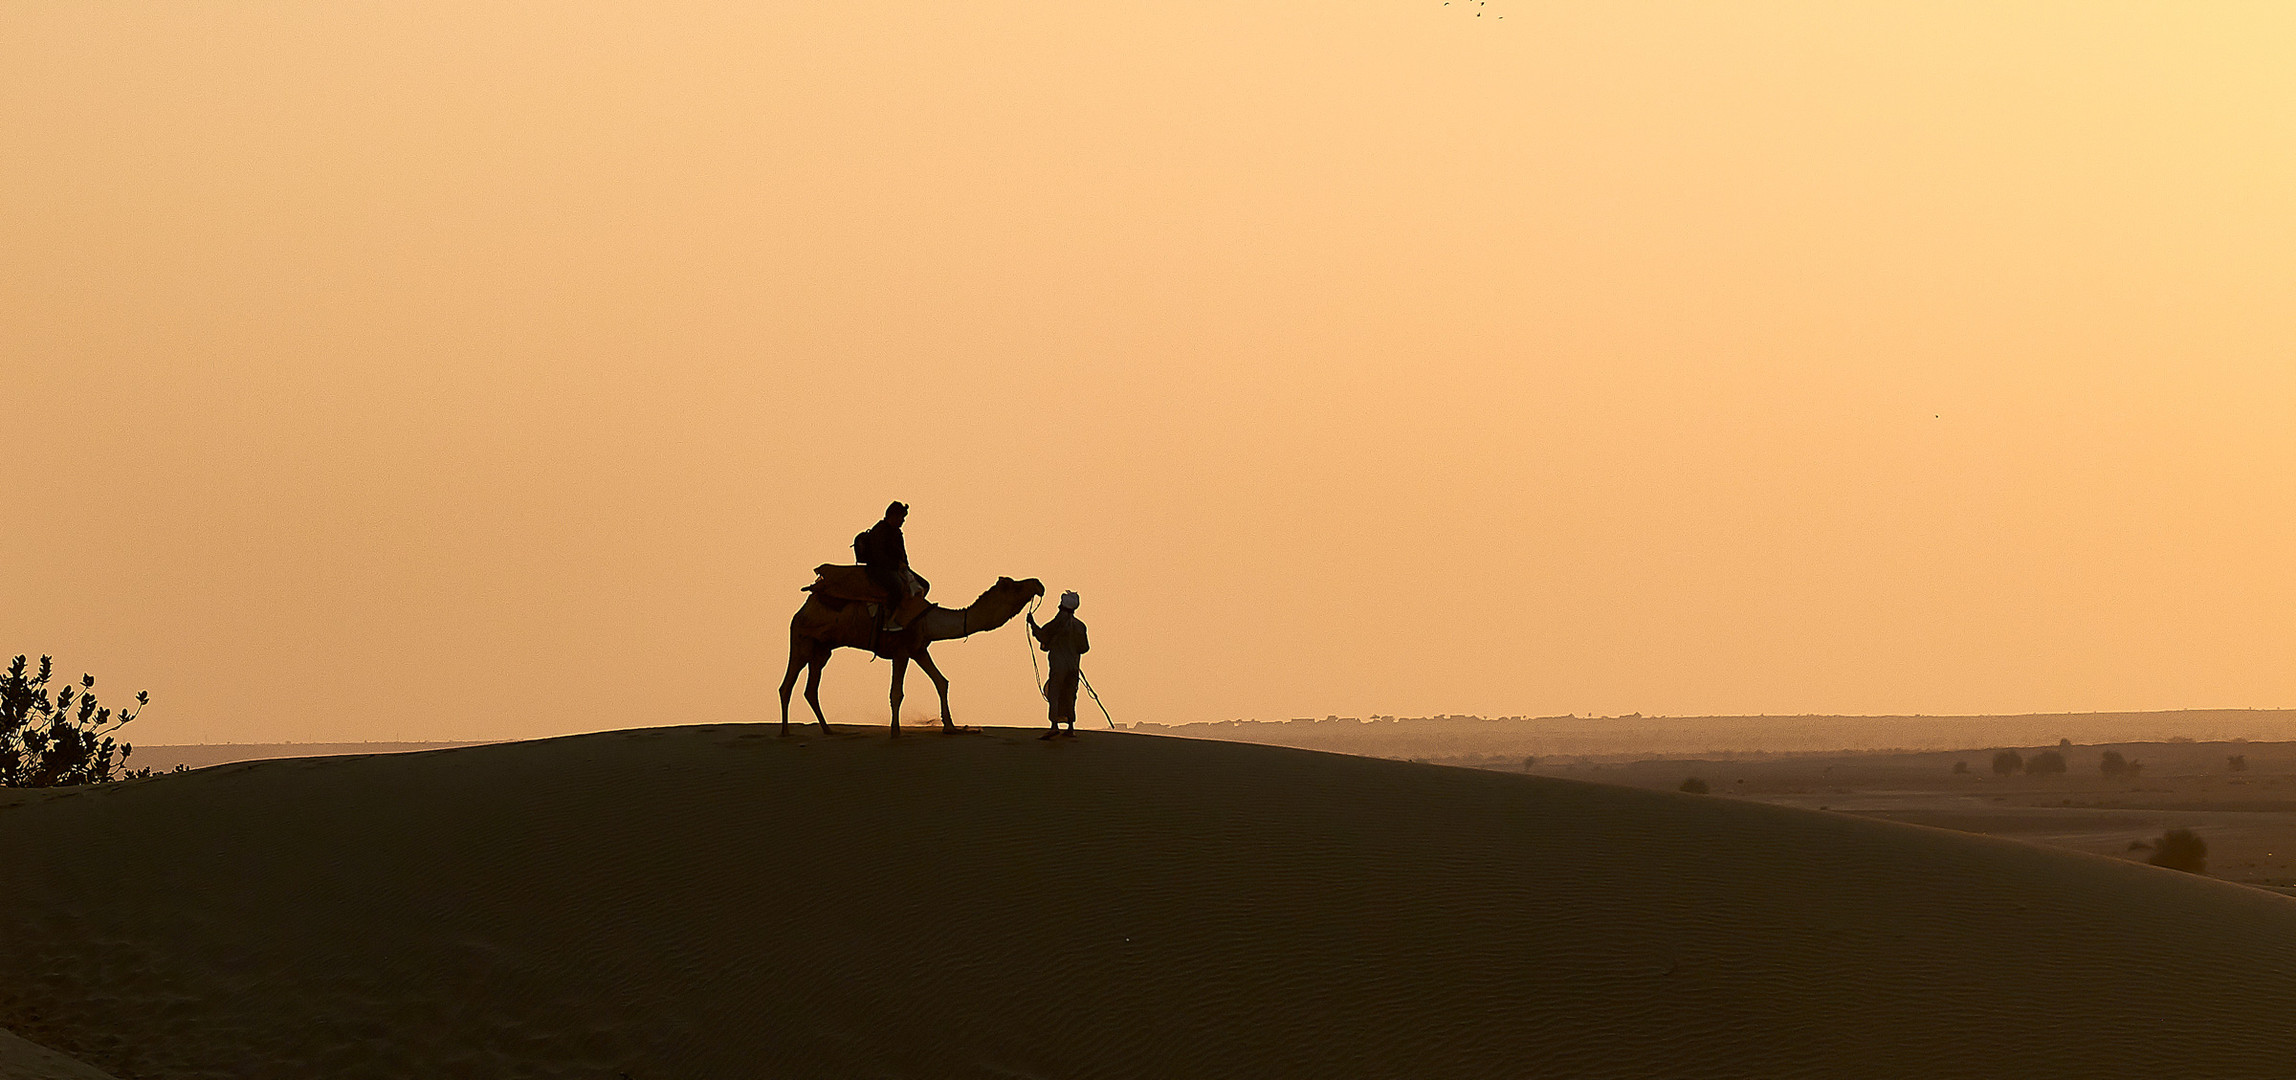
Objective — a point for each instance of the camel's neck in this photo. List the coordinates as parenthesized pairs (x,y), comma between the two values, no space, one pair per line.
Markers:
(992,610)
(941,624)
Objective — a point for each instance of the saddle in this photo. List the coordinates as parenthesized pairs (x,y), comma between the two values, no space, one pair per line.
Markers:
(836,581)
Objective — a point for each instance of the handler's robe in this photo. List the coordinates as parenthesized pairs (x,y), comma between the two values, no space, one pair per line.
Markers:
(1064,640)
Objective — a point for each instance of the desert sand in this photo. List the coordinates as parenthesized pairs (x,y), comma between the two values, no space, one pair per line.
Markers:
(1453,737)
(166,757)
(2247,816)
(22,1060)
(718,902)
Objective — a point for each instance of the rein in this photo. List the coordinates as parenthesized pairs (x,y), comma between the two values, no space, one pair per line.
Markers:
(1025,644)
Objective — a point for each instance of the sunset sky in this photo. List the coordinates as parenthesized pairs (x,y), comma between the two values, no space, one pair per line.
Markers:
(455,371)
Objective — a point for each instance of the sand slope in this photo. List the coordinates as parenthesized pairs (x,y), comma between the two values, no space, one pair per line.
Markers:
(716,902)
(20,1060)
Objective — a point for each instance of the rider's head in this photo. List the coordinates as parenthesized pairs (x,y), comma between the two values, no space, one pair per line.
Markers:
(896,512)
(1069,600)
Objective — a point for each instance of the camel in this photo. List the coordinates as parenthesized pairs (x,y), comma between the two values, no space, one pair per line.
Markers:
(825,624)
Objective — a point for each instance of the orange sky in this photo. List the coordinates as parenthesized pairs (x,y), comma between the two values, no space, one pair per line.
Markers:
(405,370)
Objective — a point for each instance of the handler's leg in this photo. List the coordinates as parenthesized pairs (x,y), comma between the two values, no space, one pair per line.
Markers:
(1062,691)
(1051,704)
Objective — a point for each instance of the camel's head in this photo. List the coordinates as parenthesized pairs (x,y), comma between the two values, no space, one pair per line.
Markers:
(1004,600)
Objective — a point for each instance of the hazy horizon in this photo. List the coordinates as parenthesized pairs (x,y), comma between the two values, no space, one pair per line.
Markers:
(427,372)
(1561,738)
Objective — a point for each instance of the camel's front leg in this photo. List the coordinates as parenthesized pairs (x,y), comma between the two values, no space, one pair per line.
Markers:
(900,672)
(941,683)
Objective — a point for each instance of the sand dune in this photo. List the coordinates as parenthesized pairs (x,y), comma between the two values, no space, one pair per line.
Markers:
(21,1060)
(717,902)
(165,757)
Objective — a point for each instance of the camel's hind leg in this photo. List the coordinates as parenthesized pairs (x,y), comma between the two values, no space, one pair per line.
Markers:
(813,685)
(799,655)
(940,683)
(900,674)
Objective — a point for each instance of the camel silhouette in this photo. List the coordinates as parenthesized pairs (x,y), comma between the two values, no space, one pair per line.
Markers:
(825,624)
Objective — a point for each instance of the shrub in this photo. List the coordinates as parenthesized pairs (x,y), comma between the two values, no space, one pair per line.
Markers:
(2135,767)
(1695,786)
(1528,762)
(1960,767)
(2007,762)
(2179,849)
(2114,764)
(2237,763)
(67,738)
(2045,763)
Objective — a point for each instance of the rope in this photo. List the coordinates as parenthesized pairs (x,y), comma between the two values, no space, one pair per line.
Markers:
(1096,700)
(1025,643)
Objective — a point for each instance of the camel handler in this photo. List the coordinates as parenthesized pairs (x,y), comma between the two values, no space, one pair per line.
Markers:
(1064,641)
(885,556)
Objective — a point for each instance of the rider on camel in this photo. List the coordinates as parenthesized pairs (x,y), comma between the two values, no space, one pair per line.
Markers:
(885,556)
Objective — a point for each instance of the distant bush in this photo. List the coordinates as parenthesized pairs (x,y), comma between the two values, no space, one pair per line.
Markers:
(2179,849)
(2113,764)
(2045,763)
(1528,762)
(1960,767)
(2237,763)
(2007,762)
(67,738)
(1695,786)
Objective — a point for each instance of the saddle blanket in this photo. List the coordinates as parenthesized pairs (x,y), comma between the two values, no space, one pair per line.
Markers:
(839,581)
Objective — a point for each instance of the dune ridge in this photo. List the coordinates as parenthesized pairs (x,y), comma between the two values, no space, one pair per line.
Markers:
(717,902)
